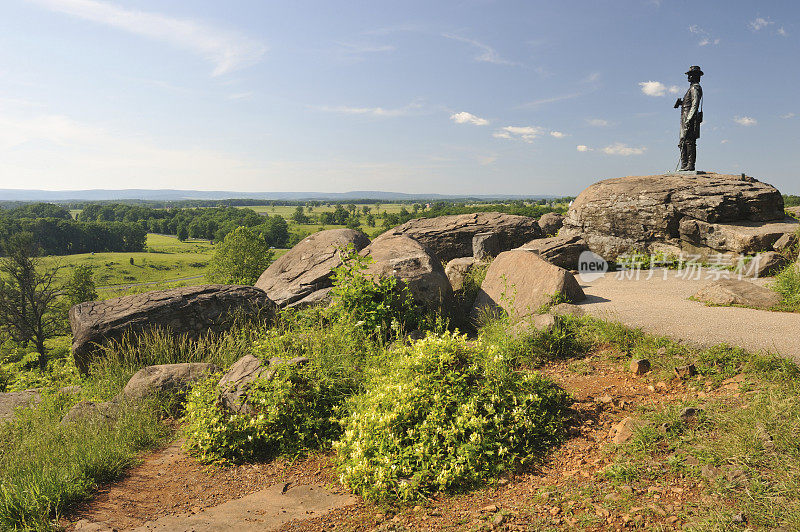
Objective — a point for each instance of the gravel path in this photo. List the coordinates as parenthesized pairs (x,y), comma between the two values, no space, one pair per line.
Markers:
(660,305)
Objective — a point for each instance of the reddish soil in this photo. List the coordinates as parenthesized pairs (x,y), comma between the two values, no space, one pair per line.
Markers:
(567,491)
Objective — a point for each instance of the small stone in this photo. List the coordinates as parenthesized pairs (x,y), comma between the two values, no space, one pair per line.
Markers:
(640,366)
(685,372)
(498,519)
(740,518)
(689,412)
(710,472)
(672,520)
(623,431)
(555,510)
(489,509)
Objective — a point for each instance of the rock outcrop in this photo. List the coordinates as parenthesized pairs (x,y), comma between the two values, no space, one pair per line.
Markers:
(563,251)
(234,388)
(450,237)
(458,269)
(765,264)
(521,282)
(190,311)
(551,223)
(174,379)
(736,292)
(10,401)
(307,267)
(409,261)
(703,213)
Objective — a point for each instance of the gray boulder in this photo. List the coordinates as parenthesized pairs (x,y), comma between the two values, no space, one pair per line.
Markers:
(457,270)
(521,282)
(563,251)
(551,223)
(191,311)
(703,213)
(307,267)
(10,401)
(450,237)
(765,264)
(166,378)
(486,246)
(234,387)
(92,412)
(785,243)
(419,269)
(736,292)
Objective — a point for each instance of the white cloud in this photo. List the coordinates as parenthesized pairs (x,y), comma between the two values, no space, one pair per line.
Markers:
(487,159)
(486,54)
(241,95)
(468,118)
(788,116)
(598,122)
(554,99)
(656,88)
(759,23)
(523,133)
(745,121)
(226,50)
(558,134)
(619,148)
(377,112)
(705,37)
(583,148)
(724,141)
(782,32)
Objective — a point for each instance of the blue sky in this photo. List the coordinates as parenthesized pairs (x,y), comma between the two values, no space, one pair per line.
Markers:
(511,97)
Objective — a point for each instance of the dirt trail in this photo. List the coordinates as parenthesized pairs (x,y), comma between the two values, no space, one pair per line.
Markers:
(660,305)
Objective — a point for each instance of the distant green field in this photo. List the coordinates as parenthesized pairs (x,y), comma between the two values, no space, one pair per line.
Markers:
(286,211)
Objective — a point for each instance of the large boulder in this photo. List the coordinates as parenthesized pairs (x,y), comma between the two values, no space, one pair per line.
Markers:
(233,390)
(521,282)
(174,379)
(563,251)
(418,268)
(737,292)
(703,213)
(450,237)
(765,264)
(458,269)
(307,267)
(10,401)
(551,223)
(191,311)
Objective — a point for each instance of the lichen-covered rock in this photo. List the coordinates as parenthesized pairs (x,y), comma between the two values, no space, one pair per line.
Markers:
(307,267)
(92,412)
(521,282)
(166,378)
(10,401)
(617,216)
(737,292)
(563,251)
(191,311)
(450,237)
(551,223)
(419,269)
(234,387)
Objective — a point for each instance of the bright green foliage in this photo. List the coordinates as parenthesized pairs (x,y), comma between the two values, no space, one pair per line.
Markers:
(240,259)
(445,415)
(291,413)
(787,284)
(380,305)
(80,286)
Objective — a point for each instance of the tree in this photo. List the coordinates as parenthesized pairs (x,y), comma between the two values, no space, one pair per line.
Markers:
(28,294)
(183,233)
(239,259)
(80,286)
(298,216)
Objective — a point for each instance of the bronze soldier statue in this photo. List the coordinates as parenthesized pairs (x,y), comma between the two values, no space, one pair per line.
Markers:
(691,117)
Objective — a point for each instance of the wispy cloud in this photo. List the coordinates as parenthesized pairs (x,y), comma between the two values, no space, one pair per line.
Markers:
(486,159)
(787,116)
(583,148)
(553,99)
(598,122)
(656,88)
(377,112)
(350,51)
(619,148)
(523,133)
(759,23)
(486,54)
(226,50)
(746,121)
(782,32)
(468,118)
(558,134)
(241,95)
(705,37)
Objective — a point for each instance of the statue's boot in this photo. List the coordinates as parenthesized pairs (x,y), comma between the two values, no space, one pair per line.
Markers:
(684,156)
(691,157)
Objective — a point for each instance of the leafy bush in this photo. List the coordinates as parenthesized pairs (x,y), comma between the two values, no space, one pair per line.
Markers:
(379,305)
(787,284)
(240,259)
(535,347)
(298,409)
(445,415)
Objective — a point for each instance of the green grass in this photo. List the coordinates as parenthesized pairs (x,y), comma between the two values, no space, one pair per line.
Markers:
(286,211)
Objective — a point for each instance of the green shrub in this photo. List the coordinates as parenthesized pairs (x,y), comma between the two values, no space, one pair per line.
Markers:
(787,284)
(240,258)
(444,415)
(382,306)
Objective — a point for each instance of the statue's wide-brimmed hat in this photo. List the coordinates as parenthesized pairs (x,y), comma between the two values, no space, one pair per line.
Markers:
(695,70)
